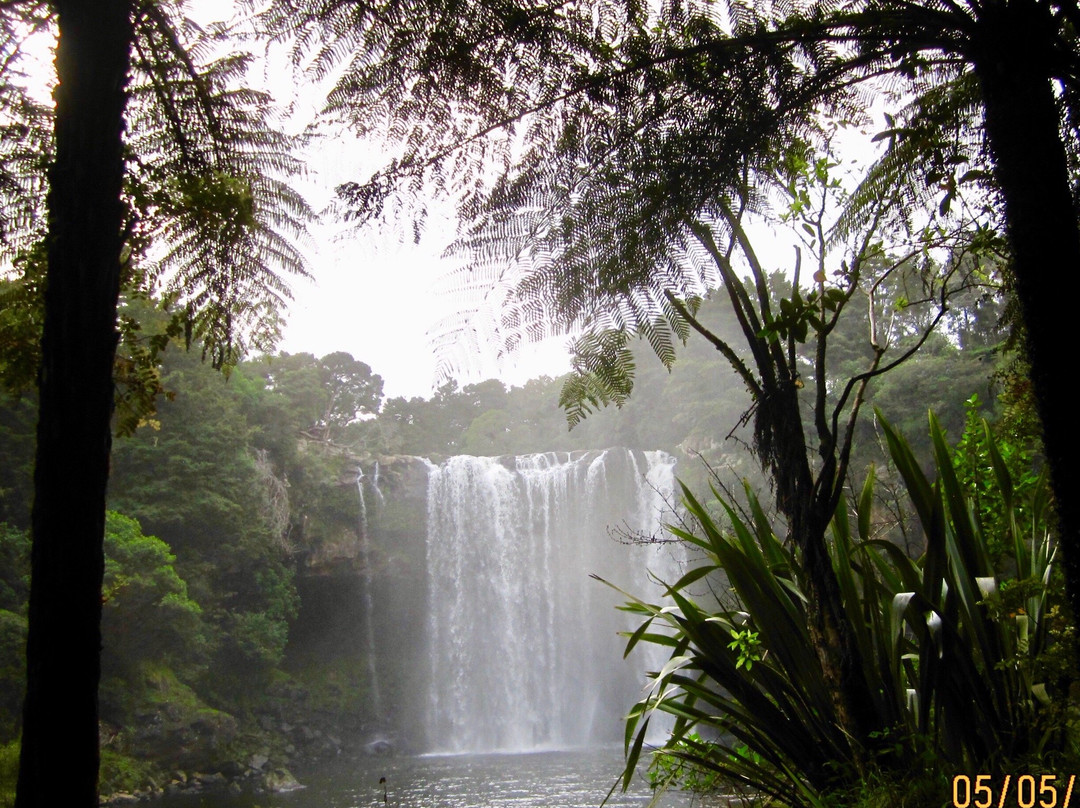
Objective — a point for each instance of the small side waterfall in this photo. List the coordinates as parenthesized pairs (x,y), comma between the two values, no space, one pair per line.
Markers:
(523,645)
(379,498)
(368,596)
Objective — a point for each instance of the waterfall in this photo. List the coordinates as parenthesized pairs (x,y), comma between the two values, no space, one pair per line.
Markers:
(523,645)
(379,498)
(367,586)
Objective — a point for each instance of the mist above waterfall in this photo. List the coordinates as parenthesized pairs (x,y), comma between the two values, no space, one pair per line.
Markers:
(523,646)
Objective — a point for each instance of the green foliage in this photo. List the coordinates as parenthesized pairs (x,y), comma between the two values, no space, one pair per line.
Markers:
(224,203)
(997,497)
(123,773)
(939,378)
(336,686)
(147,617)
(319,397)
(258,639)
(22,312)
(485,434)
(967,661)
(748,645)
(194,478)
(14,588)
(604,374)
(12,670)
(14,568)
(147,613)
(255,640)
(677,769)
(185,476)
(9,772)
(18,420)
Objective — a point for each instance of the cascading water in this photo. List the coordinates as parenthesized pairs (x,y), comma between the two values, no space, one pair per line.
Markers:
(368,596)
(523,645)
(379,498)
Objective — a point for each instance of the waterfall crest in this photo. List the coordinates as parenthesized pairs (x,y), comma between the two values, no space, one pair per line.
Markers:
(522,644)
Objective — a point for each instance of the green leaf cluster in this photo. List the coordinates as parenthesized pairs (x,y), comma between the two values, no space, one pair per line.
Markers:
(192,476)
(964,654)
(147,613)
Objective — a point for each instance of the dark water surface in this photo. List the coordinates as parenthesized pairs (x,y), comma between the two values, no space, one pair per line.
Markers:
(566,779)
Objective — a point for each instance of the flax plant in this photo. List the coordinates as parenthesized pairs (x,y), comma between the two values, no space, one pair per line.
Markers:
(960,646)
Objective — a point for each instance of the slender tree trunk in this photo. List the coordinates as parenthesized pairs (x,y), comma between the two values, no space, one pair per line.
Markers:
(1022,123)
(60,754)
(808,518)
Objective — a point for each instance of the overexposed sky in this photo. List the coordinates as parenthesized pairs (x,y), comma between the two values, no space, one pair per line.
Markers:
(374,292)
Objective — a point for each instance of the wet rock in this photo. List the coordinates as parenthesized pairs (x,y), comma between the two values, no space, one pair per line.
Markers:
(380,746)
(212,780)
(279,781)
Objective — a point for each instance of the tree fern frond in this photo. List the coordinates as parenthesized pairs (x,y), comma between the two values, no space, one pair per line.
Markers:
(25,134)
(603,374)
(932,146)
(583,142)
(219,222)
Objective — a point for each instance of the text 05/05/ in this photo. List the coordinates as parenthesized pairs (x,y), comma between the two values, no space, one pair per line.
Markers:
(1024,791)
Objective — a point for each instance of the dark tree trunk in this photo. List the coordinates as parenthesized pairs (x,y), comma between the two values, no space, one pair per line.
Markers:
(59,759)
(808,515)
(1022,124)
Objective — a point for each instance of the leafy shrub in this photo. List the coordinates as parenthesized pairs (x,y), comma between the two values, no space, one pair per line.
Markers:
(123,773)
(965,660)
(257,638)
(147,613)
(12,670)
(9,773)
(668,769)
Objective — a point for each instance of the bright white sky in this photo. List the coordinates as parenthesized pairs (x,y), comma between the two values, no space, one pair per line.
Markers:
(374,292)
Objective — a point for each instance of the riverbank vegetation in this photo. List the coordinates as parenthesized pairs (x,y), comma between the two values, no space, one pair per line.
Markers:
(968,648)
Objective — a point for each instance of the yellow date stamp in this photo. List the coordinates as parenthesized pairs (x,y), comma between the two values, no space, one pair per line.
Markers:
(1007,791)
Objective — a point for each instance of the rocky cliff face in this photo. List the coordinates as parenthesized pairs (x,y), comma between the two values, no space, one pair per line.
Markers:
(383,499)
(369,549)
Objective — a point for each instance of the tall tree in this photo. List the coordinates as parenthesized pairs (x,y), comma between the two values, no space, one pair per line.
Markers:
(324,395)
(95,232)
(86,219)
